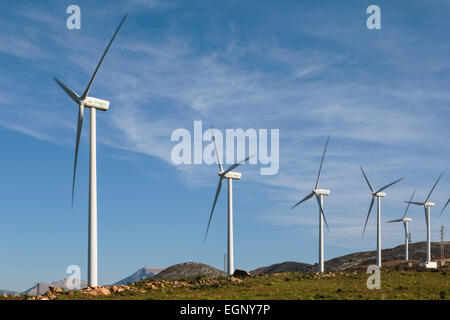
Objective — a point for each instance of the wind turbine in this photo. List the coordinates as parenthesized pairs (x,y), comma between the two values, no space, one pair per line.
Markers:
(84,101)
(230,176)
(427,207)
(319,193)
(405,225)
(448,201)
(377,194)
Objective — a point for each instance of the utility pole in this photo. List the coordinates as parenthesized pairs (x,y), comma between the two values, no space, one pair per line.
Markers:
(409,238)
(225,262)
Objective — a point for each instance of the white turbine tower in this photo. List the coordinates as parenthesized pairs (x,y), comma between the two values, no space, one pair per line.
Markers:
(405,221)
(448,201)
(377,194)
(84,101)
(230,176)
(427,207)
(319,193)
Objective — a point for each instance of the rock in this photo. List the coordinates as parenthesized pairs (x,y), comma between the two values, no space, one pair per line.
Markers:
(241,274)
(49,293)
(99,291)
(152,286)
(237,280)
(104,291)
(95,291)
(55,289)
(114,289)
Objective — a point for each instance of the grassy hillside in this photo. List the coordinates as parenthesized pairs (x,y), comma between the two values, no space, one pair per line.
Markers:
(396,283)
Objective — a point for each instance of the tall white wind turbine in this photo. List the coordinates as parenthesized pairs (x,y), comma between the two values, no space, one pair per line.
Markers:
(427,207)
(84,101)
(319,193)
(230,176)
(405,221)
(377,194)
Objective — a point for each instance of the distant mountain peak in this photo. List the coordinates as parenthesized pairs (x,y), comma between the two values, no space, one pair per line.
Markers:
(140,274)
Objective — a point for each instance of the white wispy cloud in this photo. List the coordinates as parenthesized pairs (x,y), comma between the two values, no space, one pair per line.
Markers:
(159,84)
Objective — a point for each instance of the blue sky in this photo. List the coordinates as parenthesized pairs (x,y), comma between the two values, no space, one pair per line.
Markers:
(308,68)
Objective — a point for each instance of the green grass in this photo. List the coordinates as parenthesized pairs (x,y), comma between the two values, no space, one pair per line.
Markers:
(395,284)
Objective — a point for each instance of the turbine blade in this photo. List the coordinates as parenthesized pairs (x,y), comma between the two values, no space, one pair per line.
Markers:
(368,214)
(321,211)
(415,203)
(77,144)
(367,180)
(309,196)
(215,148)
(396,220)
(75,97)
(321,163)
(409,203)
(86,92)
(219,186)
(404,226)
(429,195)
(390,184)
(236,165)
(448,201)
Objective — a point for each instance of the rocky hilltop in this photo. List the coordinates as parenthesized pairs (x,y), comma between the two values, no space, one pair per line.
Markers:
(288,266)
(417,252)
(189,270)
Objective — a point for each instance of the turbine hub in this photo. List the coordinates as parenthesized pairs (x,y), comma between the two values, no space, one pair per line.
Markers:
(429,204)
(380,194)
(323,192)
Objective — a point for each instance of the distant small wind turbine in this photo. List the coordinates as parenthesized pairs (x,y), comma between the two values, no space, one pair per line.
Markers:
(93,103)
(427,205)
(319,193)
(448,201)
(405,221)
(230,176)
(377,194)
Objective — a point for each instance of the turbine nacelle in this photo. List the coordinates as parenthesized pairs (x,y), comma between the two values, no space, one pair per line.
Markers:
(407,219)
(379,194)
(91,102)
(231,175)
(321,192)
(429,204)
